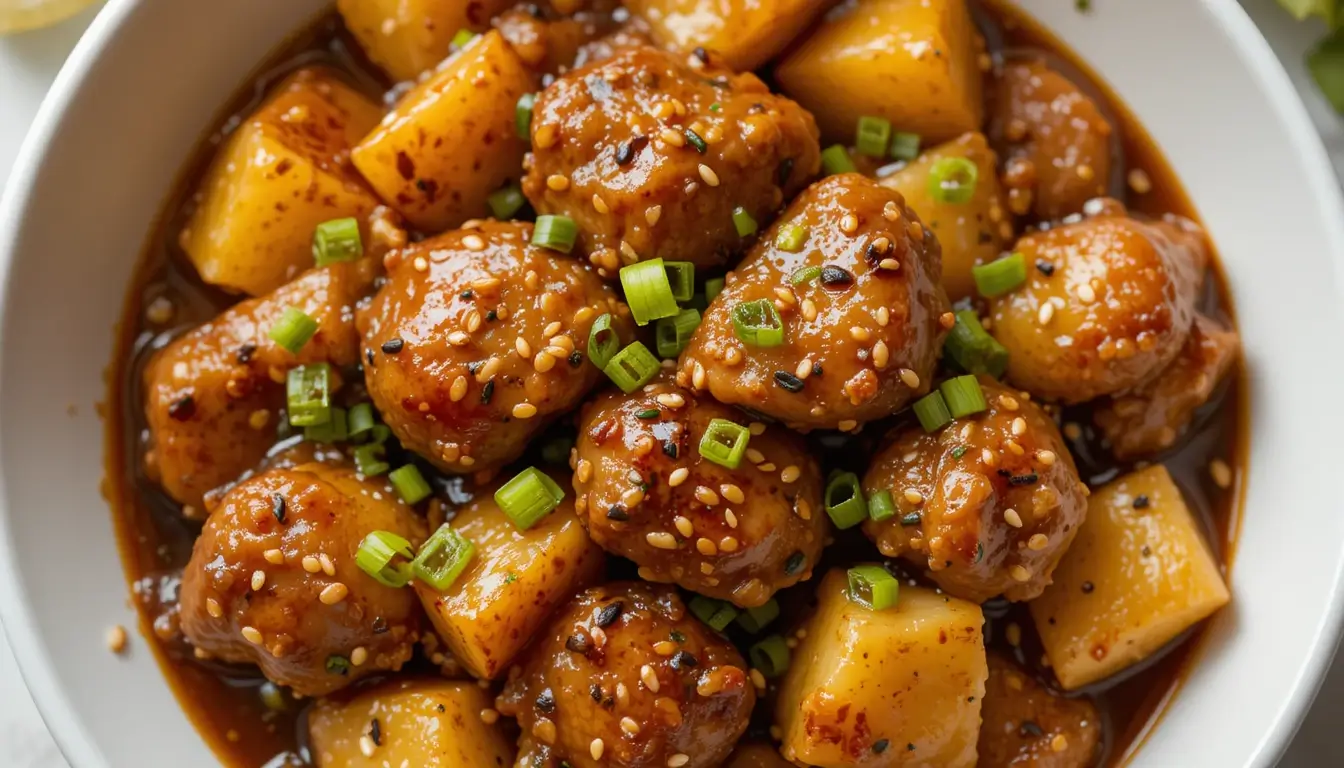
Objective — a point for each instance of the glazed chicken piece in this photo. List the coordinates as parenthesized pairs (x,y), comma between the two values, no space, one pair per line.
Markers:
(213,396)
(1151,418)
(625,677)
(477,341)
(1026,725)
(1108,303)
(854,278)
(1055,142)
(988,504)
(651,153)
(646,493)
(272,580)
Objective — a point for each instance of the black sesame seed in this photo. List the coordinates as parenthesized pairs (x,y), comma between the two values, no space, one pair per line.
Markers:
(245,353)
(380,626)
(881,745)
(579,644)
(701,54)
(683,660)
(1147,550)
(1027,479)
(979,551)
(488,391)
(618,513)
(785,170)
(368,354)
(1031,729)
(491,316)
(913,518)
(835,277)
(472,368)
(608,614)
(816,369)
(909,747)
(1045,267)
(794,564)
(575,359)
(1141,502)
(278,508)
(670,448)
(546,701)
(1088,587)
(376,732)
(393,346)
(788,381)
(595,692)
(467,294)
(182,408)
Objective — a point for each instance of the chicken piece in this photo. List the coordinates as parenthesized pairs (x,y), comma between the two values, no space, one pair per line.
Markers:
(628,651)
(1151,418)
(989,503)
(273,581)
(646,493)
(212,395)
(478,340)
(1121,297)
(1055,142)
(1026,725)
(861,338)
(651,153)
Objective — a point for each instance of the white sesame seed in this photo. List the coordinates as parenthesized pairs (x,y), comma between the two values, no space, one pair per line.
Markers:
(557,182)
(756,428)
(661,540)
(252,635)
(116,639)
(678,476)
(420,264)
(1047,311)
(359,656)
(847,425)
(596,748)
(524,411)
(790,474)
(913,496)
(1221,473)
(684,526)
(732,493)
(1019,426)
(489,716)
(858,333)
(1038,541)
(706,495)
(881,355)
(652,214)
(849,224)
(366,746)
(671,400)
(274,556)
(1046,457)
(213,608)
(678,760)
(629,725)
(710,177)
(1019,573)
(910,378)
(458,390)
(333,593)
(649,679)
(706,547)
(328,567)
(1139,181)
(1011,516)
(1086,294)
(311,564)
(258,580)
(808,309)
(889,264)
(730,517)
(599,204)
(473,243)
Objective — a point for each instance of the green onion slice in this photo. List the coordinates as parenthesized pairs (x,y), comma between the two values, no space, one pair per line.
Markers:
(963,396)
(835,159)
(872,136)
(757,323)
(873,588)
(804,275)
(557,233)
(716,613)
(770,655)
(462,38)
(932,412)
(791,238)
(522,116)
(632,367)
(1000,276)
(713,287)
(673,333)
(844,500)
(360,420)
(743,222)
(293,330)
(681,278)
(369,459)
(724,443)
(881,506)
(335,430)
(410,484)
(443,558)
(952,180)
(648,291)
(337,240)
(376,556)
(504,203)
(756,619)
(905,146)
(308,394)
(381,432)
(528,497)
(603,343)
(971,347)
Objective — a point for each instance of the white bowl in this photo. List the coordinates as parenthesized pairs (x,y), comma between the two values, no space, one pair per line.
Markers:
(148,79)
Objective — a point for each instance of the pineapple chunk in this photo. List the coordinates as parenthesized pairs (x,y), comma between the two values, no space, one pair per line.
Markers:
(746,33)
(407,37)
(280,174)
(885,688)
(451,141)
(424,723)
(1138,574)
(971,233)
(517,577)
(914,62)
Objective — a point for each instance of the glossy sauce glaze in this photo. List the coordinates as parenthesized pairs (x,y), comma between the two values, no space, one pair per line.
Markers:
(251,723)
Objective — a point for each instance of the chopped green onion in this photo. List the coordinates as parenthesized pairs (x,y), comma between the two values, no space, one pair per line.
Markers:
(1000,276)
(904,146)
(716,613)
(756,619)
(844,500)
(337,240)
(338,665)
(881,506)
(971,347)
(376,554)
(603,343)
(443,558)
(932,412)
(952,180)
(716,107)
(648,291)
(791,238)
(681,278)
(504,203)
(381,432)
(804,275)
(673,333)
(872,587)
(556,450)
(757,323)
(410,484)
(369,459)
(724,443)
(872,136)
(555,232)
(1326,64)
(632,367)
(835,159)
(361,419)
(695,141)
(771,656)
(713,287)
(308,394)
(743,222)
(522,116)
(293,330)
(462,38)
(333,431)
(963,396)
(528,497)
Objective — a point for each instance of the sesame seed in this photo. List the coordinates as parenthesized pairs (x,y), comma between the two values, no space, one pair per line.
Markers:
(545,136)
(489,716)
(328,567)
(1046,457)
(728,543)
(913,496)
(557,183)
(730,517)
(678,476)
(988,457)
(849,224)
(458,338)
(1019,426)
(1086,294)
(1139,181)
(661,540)
(274,556)
(458,390)
(258,580)
(212,607)
(524,411)
(1011,516)
(333,593)
(652,214)
(252,635)
(881,355)
(488,285)
(259,418)
(858,333)
(672,137)
(649,679)
(803,509)
(420,264)
(711,178)
(883,316)
(599,204)
(543,362)
(671,400)
(1059,743)
(1047,311)
(311,564)
(891,212)
(1014,448)
(678,760)
(684,526)
(473,243)
(473,322)
(1038,541)
(706,547)
(632,497)
(366,746)
(732,493)
(755,456)
(889,264)
(808,310)
(584,470)
(1221,473)
(756,428)
(359,656)
(1019,573)
(910,378)
(1008,402)
(790,474)
(706,495)
(596,748)
(847,425)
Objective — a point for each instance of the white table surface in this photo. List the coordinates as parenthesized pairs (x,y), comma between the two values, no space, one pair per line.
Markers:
(29,62)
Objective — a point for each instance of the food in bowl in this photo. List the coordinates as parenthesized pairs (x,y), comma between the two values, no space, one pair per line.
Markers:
(588,401)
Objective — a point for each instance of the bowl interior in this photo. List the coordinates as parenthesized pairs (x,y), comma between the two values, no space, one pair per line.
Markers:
(148,80)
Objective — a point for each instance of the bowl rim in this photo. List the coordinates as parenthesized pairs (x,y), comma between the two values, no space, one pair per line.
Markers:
(36,666)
